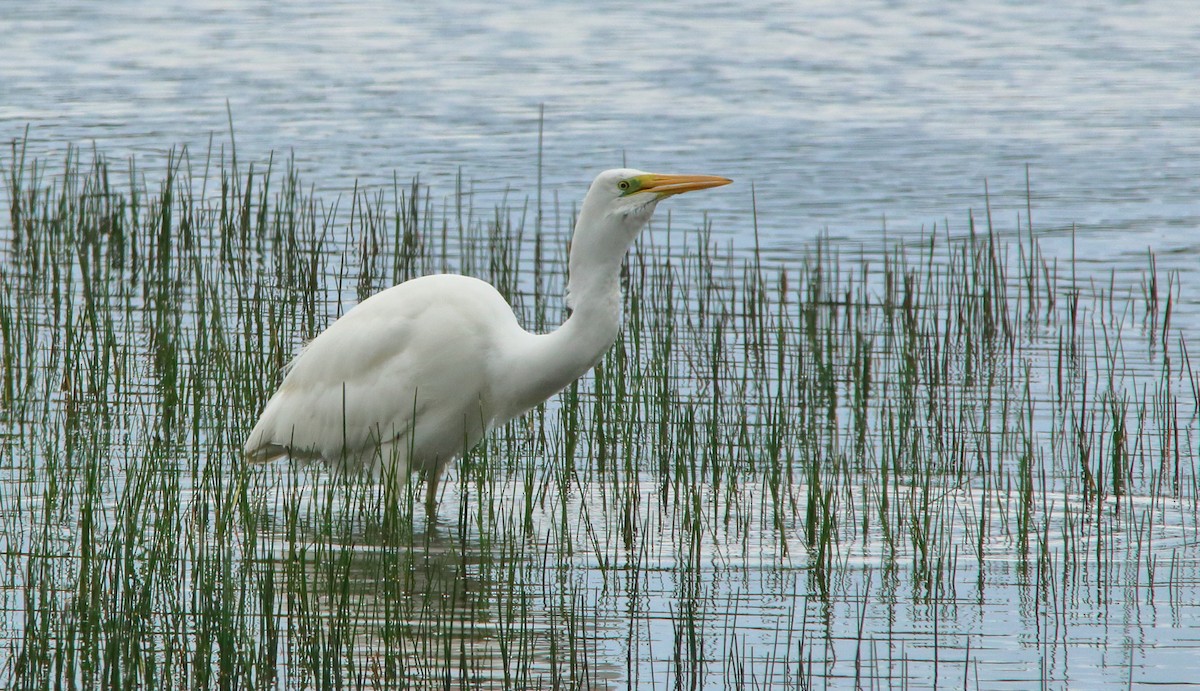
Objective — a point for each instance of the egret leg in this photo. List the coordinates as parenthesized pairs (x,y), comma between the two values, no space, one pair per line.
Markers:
(431,480)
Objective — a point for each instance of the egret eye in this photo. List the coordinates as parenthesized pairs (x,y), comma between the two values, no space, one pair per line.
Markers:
(623,185)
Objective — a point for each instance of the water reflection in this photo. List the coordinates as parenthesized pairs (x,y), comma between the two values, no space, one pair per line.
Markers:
(389,600)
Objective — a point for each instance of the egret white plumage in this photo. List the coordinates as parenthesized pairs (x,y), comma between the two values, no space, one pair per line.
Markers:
(416,374)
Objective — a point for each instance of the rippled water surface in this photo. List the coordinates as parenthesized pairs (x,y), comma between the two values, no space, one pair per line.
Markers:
(839,114)
(981,530)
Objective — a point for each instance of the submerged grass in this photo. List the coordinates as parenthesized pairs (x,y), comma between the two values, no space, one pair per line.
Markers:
(895,465)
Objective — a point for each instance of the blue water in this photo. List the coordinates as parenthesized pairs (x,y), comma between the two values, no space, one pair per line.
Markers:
(833,117)
(840,115)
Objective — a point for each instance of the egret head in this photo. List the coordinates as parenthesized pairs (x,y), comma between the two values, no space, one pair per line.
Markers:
(623,199)
(616,208)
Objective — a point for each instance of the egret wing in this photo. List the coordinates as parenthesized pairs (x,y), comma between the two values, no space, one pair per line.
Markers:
(406,368)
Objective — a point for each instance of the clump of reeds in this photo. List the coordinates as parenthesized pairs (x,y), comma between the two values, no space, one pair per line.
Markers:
(843,430)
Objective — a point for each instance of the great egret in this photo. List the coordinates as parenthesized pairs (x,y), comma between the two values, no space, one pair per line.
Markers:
(418,373)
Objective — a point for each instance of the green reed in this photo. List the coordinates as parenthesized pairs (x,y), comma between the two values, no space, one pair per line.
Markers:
(846,425)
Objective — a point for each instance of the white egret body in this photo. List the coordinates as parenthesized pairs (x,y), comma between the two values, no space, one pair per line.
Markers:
(416,374)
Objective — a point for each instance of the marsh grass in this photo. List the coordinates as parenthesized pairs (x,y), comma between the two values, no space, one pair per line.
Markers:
(933,461)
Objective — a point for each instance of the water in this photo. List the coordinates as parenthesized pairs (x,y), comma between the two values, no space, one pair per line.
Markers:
(839,115)
(842,119)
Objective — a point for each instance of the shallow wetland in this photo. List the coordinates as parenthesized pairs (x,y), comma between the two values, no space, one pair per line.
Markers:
(943,459)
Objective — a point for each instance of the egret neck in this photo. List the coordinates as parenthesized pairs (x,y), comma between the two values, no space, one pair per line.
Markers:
(552,361)
(616,208)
